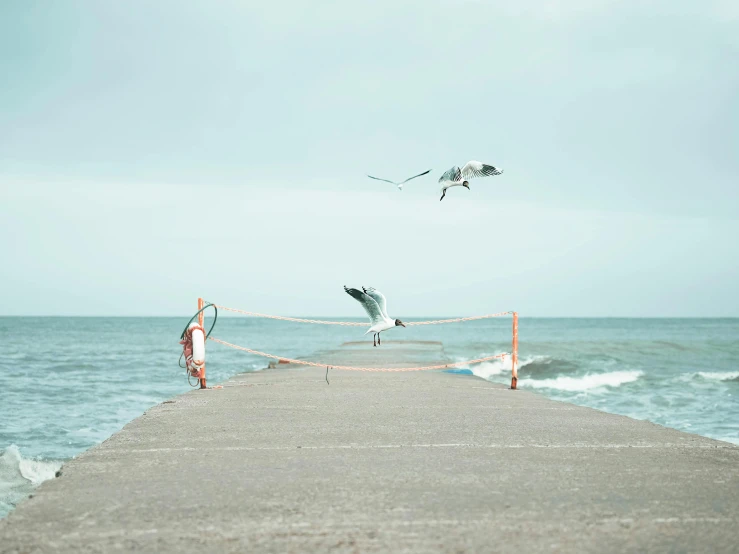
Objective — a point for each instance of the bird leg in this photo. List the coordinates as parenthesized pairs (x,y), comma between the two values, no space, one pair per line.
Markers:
(374,339)
(378,339)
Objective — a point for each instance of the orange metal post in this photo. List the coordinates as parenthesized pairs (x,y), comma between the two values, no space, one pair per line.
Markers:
(514,353)
(201,321)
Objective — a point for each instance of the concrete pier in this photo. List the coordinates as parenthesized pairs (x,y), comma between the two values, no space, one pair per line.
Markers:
(281,461)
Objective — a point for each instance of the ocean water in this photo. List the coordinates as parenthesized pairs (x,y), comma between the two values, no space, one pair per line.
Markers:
(69,383)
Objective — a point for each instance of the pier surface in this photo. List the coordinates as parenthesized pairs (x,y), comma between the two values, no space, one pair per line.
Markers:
(281,461)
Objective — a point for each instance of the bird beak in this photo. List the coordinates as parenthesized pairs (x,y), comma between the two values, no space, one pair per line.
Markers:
(403,324)
(466,186)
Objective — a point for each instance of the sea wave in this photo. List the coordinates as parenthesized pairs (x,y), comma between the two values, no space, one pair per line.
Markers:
(586,382)
(526,365)
(719,376)
(489,369)
(546,364)
(20,475)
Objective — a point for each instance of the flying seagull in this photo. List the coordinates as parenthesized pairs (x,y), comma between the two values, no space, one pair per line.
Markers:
(399,185)
(375,305)
(456,177)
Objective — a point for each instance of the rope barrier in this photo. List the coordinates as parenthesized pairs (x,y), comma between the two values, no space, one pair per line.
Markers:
(294,319)
(354,368)
(356,324)
(458,319)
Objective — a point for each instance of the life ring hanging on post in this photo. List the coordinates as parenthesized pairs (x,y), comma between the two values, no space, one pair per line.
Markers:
(193,344)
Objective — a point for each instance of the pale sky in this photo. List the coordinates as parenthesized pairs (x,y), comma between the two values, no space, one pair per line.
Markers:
(151,153)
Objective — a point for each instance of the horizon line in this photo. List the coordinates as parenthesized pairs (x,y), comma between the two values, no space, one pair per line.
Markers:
(332,317)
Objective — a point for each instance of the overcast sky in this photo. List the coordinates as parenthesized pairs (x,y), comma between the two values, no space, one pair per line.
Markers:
(154,152)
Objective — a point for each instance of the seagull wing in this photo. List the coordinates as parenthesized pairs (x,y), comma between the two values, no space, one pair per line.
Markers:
(409,178)
(368,303)
(378,297)
(478,169)
(454,174)
(378,179)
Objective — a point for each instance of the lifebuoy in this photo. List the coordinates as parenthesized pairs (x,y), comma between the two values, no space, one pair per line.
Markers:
(198,347)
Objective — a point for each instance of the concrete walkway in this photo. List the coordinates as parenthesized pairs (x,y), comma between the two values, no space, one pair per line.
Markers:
(279,461)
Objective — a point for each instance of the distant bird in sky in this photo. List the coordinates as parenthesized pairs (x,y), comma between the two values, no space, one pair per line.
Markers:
(375,305)
(456,177)
(399,185)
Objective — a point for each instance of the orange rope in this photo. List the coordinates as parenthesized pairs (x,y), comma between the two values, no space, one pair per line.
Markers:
(295,319)
(458,319)
(353,368)
(355,324)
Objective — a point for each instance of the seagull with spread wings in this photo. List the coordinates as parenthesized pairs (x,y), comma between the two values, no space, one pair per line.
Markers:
(456,177)
(375,305)
(399,185)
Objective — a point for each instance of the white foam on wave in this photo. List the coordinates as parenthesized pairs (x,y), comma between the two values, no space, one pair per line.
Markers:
(19,475)
(493,368)
(586,382)
(719,376)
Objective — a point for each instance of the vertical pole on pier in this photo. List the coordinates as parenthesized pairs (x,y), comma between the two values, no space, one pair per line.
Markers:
(514,353)
(201,321)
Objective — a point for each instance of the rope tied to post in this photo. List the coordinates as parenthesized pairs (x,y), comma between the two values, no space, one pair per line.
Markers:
(356,368)
(355,323)
(187,342)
